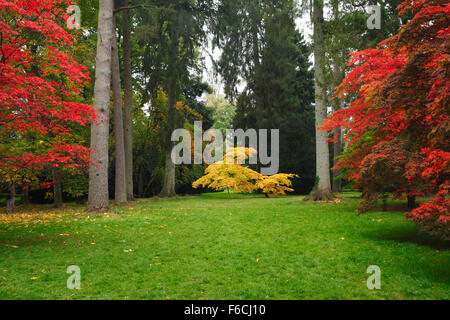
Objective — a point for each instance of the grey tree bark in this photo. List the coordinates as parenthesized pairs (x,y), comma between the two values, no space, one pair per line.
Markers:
(337,132)
(120,195)
(98,170)
(128,107)
(57,190)
(168,189)
(323,188)
(337,182)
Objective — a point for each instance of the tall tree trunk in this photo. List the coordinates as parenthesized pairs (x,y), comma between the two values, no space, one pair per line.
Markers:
(128,108)
(256,82)
(57,190)
(323,190)
(98,171)
(120,195)
(337,132)
(337,182)
(168,189)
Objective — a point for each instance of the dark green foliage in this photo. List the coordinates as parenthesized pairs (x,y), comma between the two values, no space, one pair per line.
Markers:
(192,90)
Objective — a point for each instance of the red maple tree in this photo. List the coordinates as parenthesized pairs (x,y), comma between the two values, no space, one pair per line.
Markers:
(401,93)
(39,83)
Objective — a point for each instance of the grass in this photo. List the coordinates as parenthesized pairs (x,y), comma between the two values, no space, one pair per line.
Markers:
(219,246)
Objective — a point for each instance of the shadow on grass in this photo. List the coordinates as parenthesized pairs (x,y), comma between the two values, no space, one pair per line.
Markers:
(410,235)
(56,241)
(432,266)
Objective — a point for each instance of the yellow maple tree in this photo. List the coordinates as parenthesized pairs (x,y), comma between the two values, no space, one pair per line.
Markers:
(229,174)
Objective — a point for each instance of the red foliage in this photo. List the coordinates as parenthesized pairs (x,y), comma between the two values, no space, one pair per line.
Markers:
(39,82)
(401,93)
(390,167)
(434,216)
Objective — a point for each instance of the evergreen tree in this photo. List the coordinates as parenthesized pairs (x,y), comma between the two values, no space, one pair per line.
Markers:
(279,86)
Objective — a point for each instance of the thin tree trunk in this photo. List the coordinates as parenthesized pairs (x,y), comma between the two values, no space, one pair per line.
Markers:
(384,199)
(128,97)
(411,202)
(98,171)
(120,195)
(322,153)
(12,203)
(57,190)
(168,189)
(26,195)
(141,183)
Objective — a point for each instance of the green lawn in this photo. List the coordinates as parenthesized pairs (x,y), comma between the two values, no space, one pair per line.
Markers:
(220,246)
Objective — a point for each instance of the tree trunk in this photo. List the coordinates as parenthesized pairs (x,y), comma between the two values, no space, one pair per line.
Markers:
(141,183)
(57,190)
(120,195)
(384,199)
(411,202)
(337,132)
(256,82)
(337,182)
(26,195)
(168,189)
(128,106)
(12,203)
(322,153)
(98,171)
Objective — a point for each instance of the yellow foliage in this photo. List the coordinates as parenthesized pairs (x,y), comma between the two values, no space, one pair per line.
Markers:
(238,155)
(275,185)
(220,176)
(229,174)
(35,217)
